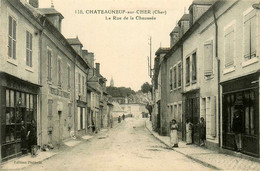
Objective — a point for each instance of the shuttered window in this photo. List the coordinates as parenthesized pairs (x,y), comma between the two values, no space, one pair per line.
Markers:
(188,70)
(28,49)
(49,54)
(250,35)
(12,38)
(69,70)
(194,67)
(208,58)
(170,79)
(179,75)
(229,43)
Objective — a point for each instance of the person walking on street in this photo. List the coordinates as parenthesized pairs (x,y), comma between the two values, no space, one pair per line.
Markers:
(189,126)
(174,133)
(119,119)
(123,116)
(237,129)
(202,131)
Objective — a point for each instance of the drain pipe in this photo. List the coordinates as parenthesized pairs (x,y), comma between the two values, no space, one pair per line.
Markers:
(218,72)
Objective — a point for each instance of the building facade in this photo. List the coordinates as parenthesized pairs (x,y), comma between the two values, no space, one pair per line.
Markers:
(19,79)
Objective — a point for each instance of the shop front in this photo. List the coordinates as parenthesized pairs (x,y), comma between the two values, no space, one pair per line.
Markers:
(18,103)
(242,93)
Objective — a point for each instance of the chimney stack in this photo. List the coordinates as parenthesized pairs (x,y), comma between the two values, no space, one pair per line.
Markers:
(34,3)
(98,68)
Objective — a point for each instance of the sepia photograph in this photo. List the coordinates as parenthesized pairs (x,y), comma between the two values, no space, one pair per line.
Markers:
(129,85)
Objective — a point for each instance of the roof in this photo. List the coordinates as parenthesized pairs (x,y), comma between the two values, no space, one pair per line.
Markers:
(162,50)
(74,41)
(185,17)
(175,30)
(203,2)
(50,11)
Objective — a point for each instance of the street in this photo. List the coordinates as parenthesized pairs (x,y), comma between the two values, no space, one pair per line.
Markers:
(128,146)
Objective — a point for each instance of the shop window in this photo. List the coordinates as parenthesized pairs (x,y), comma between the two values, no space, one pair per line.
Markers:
(248,109)
(19,107)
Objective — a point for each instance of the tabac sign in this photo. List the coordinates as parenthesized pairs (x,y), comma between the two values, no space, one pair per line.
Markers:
(59,92)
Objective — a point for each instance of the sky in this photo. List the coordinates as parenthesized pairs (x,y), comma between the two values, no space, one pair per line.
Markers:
(121,46)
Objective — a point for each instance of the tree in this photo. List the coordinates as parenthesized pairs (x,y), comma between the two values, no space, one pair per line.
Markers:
(146,87)
(119,91)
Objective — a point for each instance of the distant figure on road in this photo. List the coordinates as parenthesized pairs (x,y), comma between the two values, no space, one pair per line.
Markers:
(189,126)
(119,119)
(123,116)
(202,127)
(111,123)
(174,133)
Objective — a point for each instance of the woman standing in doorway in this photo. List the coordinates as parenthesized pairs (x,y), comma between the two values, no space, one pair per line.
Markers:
(174,133)
(202,131)
(189,126)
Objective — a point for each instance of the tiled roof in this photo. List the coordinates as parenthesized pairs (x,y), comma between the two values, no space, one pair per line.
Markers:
(74,41)
(176,29)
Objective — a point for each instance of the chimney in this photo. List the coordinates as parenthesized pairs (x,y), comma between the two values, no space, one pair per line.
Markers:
(34,3)
(89,56)
(98,68)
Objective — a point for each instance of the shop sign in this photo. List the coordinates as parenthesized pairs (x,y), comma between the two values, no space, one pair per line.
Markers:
(59,92)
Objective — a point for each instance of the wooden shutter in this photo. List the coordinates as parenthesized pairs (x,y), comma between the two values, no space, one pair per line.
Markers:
(208,58)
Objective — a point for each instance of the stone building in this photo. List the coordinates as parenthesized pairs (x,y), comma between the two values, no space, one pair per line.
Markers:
(19,78)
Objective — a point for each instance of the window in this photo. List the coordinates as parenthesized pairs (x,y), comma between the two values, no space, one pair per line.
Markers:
(170,79)
(179,112)
(187,70)
(175,77)
(59,71)
(50,108)
(70,110)
(79,83)
(250,35)
(28,49)
(176,112)
(229,44)
(172,114)
(49,64)
(83,85)
(69,70)
(208,58)
(12,38)
(194,67)
(179,75)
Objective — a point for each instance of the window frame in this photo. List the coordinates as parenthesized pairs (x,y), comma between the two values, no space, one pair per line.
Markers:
(11,51)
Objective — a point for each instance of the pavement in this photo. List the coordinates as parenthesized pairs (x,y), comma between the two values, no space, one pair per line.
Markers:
(207,157)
